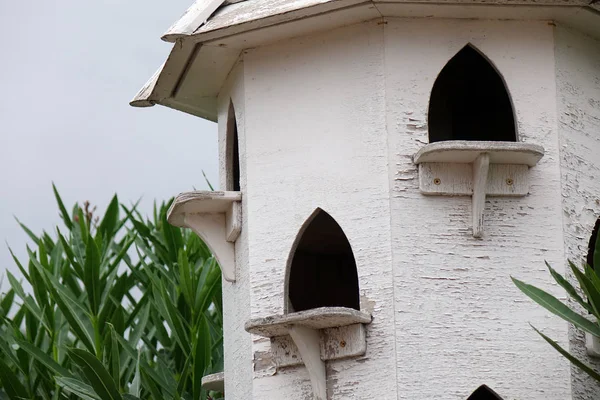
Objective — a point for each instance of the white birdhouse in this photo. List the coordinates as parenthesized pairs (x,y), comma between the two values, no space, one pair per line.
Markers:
(386,166)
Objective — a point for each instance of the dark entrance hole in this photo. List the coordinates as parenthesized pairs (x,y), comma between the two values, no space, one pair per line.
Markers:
(484,393)
(232,152)
(469,101)
(323,270)
(592,246)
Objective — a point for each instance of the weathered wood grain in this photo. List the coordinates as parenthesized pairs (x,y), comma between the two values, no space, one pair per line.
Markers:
(578,95)
(317,318)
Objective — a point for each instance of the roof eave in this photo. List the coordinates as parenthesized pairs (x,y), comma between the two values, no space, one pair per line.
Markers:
(198,65)
(192,19)
(189,80)
(234,17)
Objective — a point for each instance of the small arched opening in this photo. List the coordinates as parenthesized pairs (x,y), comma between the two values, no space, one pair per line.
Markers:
(469,101)
(483,392)
(232,152)
(321,268)
(594,248)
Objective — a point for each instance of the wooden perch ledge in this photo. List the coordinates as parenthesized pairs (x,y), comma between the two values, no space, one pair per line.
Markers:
(477,169)
(312,337)
(214,216)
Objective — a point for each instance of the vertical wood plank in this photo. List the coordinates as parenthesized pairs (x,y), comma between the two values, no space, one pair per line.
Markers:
(480,174)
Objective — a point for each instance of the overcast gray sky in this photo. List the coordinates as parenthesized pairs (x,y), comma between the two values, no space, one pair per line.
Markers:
(67,72)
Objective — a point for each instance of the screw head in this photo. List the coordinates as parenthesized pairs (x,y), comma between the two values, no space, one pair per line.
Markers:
(509,181)
(437,181)
(343,343)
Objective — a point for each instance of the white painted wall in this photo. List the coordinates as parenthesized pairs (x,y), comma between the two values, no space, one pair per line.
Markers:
(332,121)
(460,322)
(578,89)
(316,137)
(236,296)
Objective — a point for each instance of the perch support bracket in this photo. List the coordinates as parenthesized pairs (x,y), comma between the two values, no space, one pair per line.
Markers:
(313,337)
(476,169)
(214,216)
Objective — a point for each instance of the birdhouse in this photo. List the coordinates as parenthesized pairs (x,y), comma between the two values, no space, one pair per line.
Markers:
(385,167)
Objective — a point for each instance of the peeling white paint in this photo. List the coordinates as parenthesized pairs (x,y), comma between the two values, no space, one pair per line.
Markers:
(458,315)
(236,296)
(332,121)
(578,90)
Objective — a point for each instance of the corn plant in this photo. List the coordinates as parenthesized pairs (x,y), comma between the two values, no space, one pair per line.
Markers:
(589,283)
(119,308)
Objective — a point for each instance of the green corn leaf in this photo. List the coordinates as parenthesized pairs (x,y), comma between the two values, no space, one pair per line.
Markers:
(27,300)
(129,352)
(204,268)
(54,284)
(91,273)
(8,353)
(138,330)
(84,229)
(138,308)
(202,354)
(596,256)
(7,302)
(43,256)
(128,215)
(185,371)
(168,387)
(147,251)
(169,236)
(11,383)
(43,358)
(48,242)
(159,250)
(161,332)
(588,287)
(592,276)
(588,370)
(70,255)
(185,278)
(63,211)
(115,357)
(111,295)
(211,285)
(150,385)
(173,318)
(19,265)
(99,378)
(122,253)
(28,231)
(70,282)
(135,387)
(56,258)
(38,284)
(76,324)
(207,181)
(141,229)
(109,221)
(155,211)
(556,307)
(77,387)
(78,244)
(17,320)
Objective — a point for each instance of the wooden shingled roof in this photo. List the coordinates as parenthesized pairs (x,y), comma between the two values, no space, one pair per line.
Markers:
(210,36)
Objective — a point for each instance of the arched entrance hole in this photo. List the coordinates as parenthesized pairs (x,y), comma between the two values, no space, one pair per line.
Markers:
(469,101)
(321,268)
(592,247)
(483,392)
(232,152)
